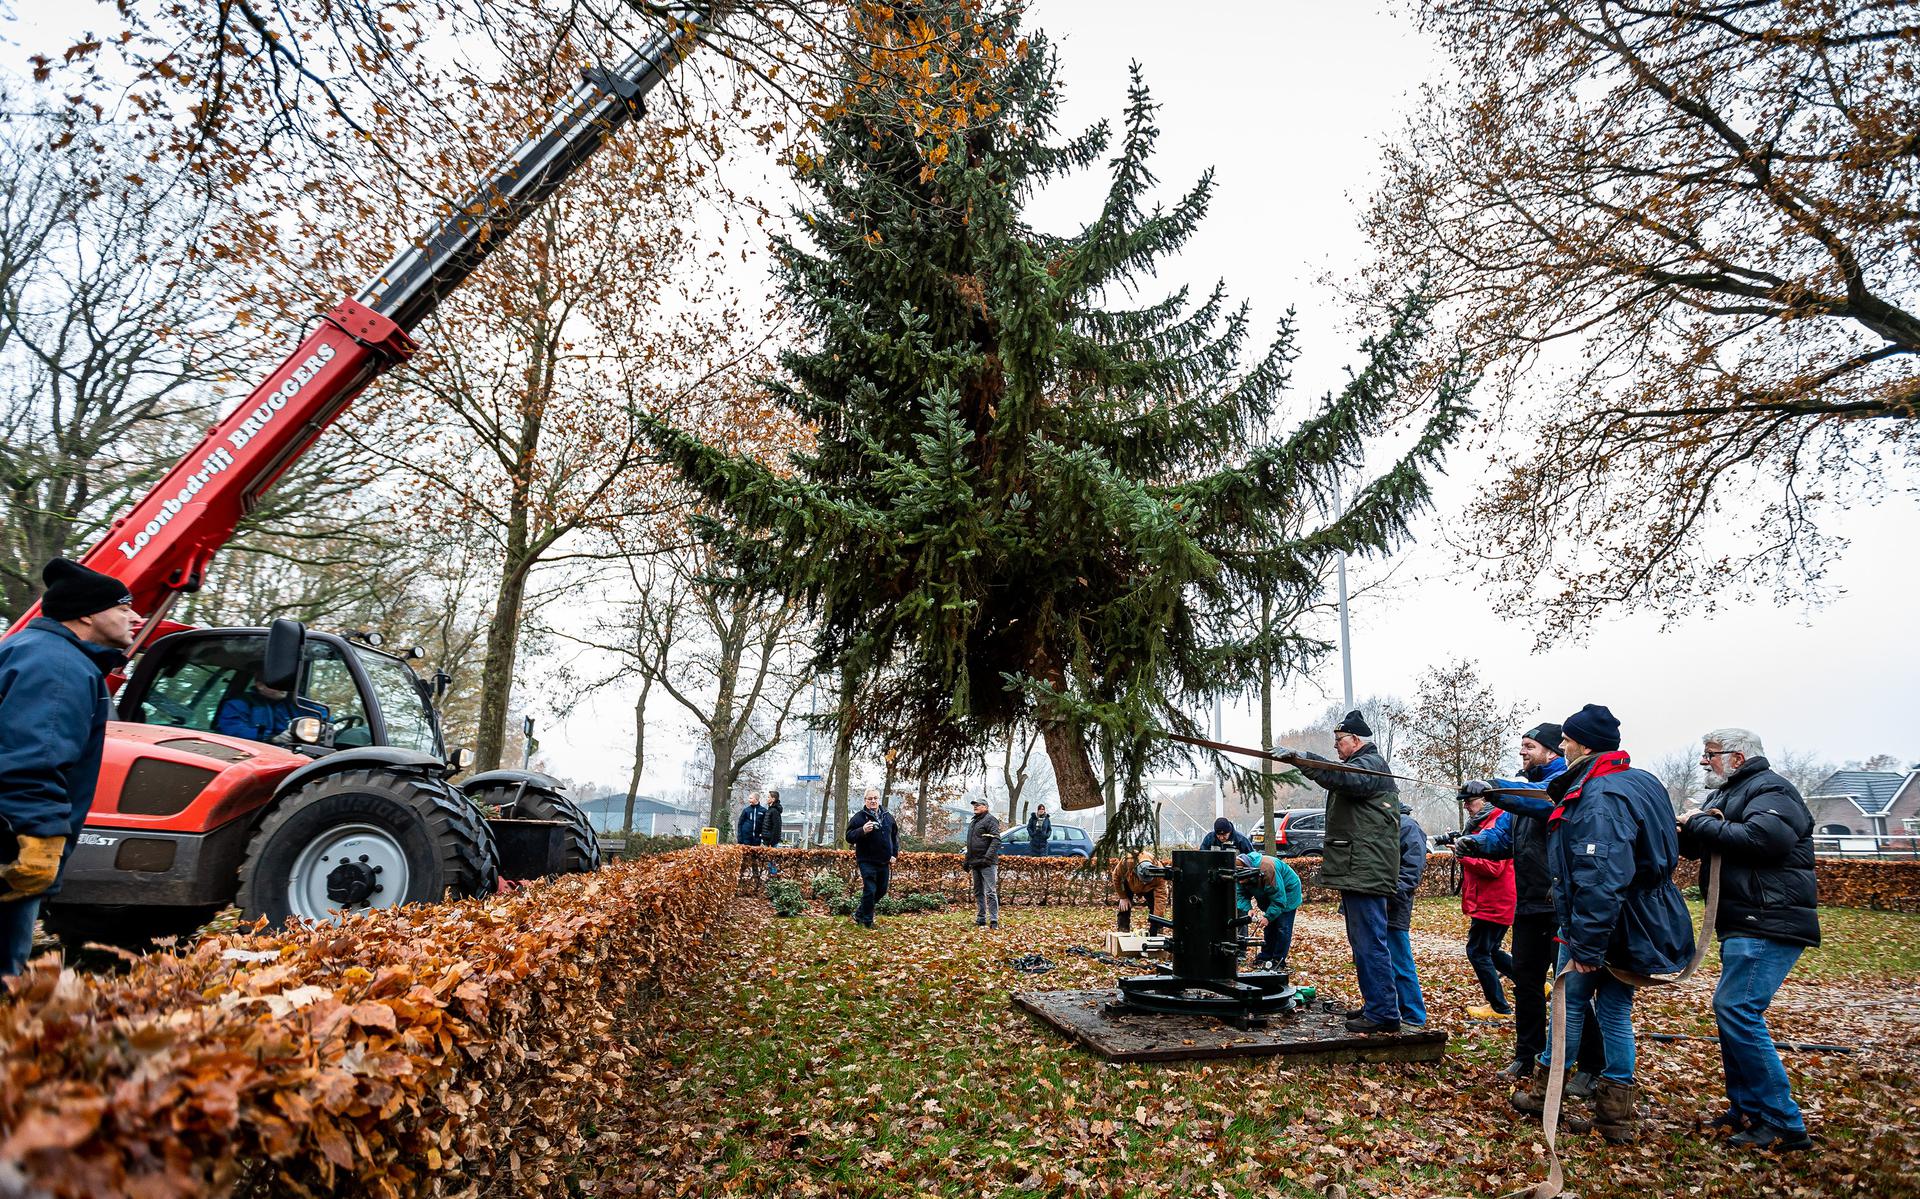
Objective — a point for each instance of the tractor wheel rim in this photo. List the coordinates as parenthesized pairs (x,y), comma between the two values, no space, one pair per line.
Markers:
(348,868)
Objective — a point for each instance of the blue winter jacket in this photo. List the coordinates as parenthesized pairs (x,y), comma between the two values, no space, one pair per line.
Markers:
(1612,854)
(53,726)
(747,831)
(880,845)
(253,716)
(1522,838)
(1277,890)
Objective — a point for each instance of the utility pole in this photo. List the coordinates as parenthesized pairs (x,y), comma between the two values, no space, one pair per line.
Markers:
(1346,644)
(1219,780)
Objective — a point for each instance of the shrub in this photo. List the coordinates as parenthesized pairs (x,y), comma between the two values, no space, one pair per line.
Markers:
(901,905)
(787,897)
(452,1048)
(828,884)
(843,905)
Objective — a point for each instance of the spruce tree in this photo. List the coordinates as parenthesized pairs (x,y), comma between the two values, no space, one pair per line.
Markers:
(1028,499)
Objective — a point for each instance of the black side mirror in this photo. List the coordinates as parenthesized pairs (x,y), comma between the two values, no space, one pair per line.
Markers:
(441,681)
(285,642)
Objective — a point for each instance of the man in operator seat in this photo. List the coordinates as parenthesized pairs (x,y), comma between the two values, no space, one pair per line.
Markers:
(260,714)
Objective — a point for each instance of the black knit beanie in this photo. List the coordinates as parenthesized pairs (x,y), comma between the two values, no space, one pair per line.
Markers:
(1594,727)
(74,591)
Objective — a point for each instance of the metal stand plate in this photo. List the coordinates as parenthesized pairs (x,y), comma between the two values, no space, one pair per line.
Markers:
(1096,1020)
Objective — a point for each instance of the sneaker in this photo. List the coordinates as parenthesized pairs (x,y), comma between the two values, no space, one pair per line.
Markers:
(1485,1012)
(1360,1023)
(1768,1139)
(994,927)
(1518,1069)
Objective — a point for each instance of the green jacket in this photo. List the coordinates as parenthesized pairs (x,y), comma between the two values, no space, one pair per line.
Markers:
(1362,854)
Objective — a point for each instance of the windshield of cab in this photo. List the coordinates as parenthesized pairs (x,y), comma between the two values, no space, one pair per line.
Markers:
(397,688)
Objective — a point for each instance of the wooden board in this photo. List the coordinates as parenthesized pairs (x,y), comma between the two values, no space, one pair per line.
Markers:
(1089,1018)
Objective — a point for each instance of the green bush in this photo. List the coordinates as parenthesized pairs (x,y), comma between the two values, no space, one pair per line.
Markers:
(786,896)
(843,905)
(901,905)
(827,884)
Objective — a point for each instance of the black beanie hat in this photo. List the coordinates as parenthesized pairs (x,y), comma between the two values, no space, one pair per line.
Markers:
(1222,825)
(74,591)
(1548,734)
(1353,723)
(1594,727)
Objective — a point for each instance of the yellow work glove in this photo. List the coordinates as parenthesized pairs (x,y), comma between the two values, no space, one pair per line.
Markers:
(35,869)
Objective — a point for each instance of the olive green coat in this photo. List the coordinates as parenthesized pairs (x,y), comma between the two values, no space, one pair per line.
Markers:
(1362,855)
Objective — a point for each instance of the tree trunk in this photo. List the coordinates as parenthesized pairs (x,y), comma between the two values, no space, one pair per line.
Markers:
(1067,750)
(886,785)
(1110,786)
(639,749)
(503,644)
(719,807)
(842,757)
(920,811)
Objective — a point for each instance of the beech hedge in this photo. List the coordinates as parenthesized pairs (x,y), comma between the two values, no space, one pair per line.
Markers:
(1040,882)
(456,1049)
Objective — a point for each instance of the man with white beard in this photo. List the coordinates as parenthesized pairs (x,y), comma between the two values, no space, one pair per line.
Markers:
(1758,824)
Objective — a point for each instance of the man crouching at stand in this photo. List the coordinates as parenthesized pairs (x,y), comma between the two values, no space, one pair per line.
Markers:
(1130,889)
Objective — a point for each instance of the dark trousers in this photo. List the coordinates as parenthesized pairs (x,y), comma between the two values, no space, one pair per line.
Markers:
(16,934)
(1490,962)
(1534,955)
(873,889)
(1278,941)
(1372,959)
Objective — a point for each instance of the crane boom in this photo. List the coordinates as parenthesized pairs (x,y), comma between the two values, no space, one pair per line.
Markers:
(163,545)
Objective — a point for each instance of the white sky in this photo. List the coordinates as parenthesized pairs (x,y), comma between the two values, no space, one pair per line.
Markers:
(1289,102)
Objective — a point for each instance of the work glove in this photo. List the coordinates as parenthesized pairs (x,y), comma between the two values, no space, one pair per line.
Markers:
(1476,787)
(35,869)
(1466,847)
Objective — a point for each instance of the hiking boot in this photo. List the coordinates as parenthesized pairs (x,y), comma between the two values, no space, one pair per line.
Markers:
(1768,1139)
(1359,1023)
(1580,1084)
(1725,1124)
(1530,1097)
(1616,1111)
(1486,1012)
(1518,1069)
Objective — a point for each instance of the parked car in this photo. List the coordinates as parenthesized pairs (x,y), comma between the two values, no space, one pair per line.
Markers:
(1066,842)
(1300,831)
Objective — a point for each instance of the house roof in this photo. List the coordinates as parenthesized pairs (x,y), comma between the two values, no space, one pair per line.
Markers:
(1871,791)
(643,805)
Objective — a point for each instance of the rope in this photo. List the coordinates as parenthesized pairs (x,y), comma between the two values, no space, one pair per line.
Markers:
(1555,1182)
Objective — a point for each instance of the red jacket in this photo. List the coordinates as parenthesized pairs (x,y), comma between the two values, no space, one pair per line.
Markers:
(1486,888)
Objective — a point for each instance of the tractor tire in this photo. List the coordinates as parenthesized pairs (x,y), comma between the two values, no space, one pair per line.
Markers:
(124,926)
(538,803)
(365,839)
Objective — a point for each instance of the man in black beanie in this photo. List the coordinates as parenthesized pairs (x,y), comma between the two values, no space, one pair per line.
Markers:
(1362,862)
(53,721)
(1611,848)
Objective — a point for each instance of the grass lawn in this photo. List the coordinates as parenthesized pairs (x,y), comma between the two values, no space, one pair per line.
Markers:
(824,1059)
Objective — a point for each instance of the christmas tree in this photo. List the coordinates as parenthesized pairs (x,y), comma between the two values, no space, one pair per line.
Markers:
(1029,500)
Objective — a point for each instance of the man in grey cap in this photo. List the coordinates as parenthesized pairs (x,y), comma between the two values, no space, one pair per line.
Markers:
(983,862)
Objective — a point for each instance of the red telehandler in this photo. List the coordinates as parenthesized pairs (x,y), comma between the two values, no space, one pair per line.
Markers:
(351,806)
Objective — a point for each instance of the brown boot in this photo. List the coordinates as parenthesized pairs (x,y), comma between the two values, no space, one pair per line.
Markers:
(1616,1111)
(1531,1097)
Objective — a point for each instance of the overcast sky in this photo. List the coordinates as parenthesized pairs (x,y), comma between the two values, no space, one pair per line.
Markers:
(1289,103)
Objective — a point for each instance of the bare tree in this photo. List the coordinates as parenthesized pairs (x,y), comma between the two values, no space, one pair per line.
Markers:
(1682,237)
(1456,728)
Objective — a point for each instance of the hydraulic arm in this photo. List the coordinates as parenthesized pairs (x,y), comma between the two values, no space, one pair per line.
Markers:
(163,545)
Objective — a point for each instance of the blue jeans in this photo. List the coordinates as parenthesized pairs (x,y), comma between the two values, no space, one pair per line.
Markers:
(1751,970)
(1277,942)
(1372,961)
(873,889)
(1406,979)
(16,933)
(1612,1008)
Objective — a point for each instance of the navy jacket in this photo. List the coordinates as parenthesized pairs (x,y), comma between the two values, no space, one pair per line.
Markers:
(1039,832)
(1612,854)
(1240,843)
(253,716)
(1765,841)
(747,830)
(1523,838)
(882,845)
(1413,867)
(53,726)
